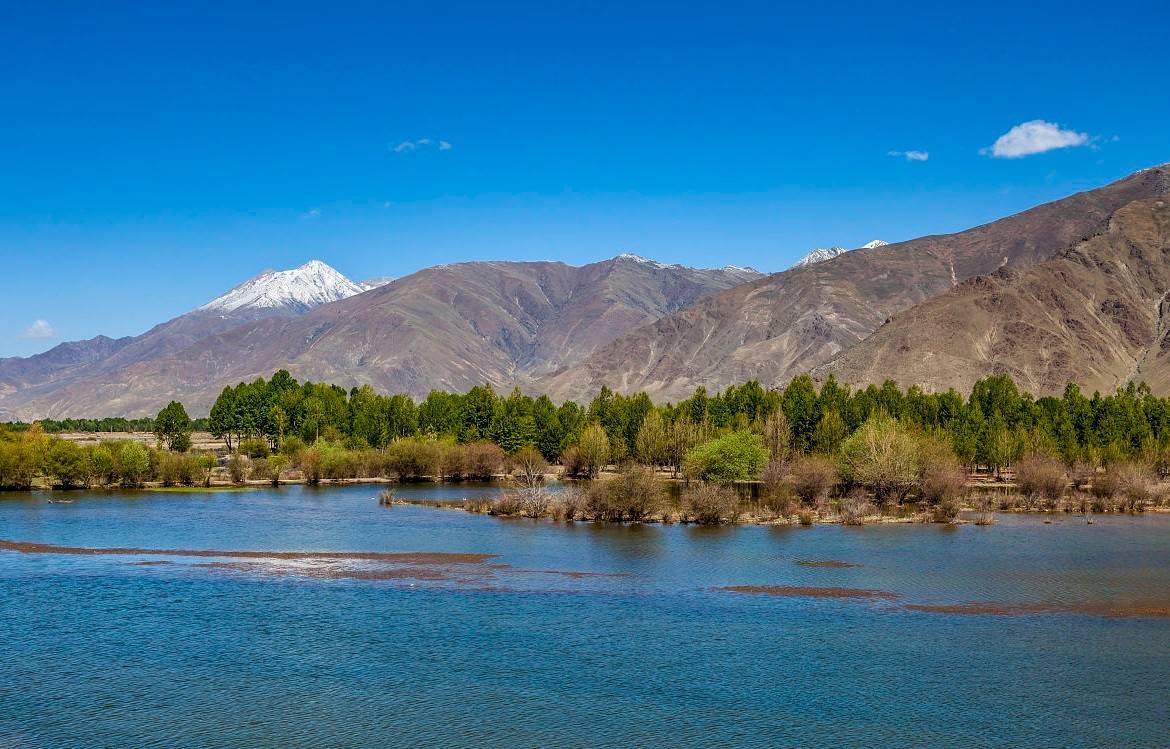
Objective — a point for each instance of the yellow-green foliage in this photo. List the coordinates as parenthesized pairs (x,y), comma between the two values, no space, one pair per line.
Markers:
(738,456)
(882,456)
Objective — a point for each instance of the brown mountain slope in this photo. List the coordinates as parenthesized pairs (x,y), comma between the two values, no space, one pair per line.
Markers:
(790,322)
(270,294)
(451,327)
(1092,315)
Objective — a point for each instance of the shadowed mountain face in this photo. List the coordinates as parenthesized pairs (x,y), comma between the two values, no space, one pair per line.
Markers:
(779,326)
(450,327)
(1094,315)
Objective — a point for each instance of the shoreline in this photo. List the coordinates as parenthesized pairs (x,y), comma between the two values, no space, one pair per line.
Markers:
(752,512)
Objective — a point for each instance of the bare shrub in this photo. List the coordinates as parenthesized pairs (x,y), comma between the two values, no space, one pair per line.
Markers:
(1159,498)
(386,497)
(259,469)
(450,461)
(575,465)
(507,504)
(946,510)
(478,504)
(855,507)
(238,468)
(566,505)
(1040,477)
(1134,483)
(806,517)
(529,467)
(941,478)
(812,478)
(482,460)
(413,459)
(710,504)
(772,477)
(985,504)
(1082,475)
(1105,486)
(776,496)
(633,495)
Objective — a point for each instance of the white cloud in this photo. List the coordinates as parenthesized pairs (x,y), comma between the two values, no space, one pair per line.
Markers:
(1032,137)
(311,213)
(910,155)
(39,329)
(414,145)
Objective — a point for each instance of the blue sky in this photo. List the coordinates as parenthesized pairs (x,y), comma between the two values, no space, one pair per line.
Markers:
(152,155)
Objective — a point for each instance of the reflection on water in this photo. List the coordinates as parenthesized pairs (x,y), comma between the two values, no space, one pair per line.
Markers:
(305,618)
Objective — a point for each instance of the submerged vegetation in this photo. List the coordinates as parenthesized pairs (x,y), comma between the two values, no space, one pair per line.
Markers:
(810,452)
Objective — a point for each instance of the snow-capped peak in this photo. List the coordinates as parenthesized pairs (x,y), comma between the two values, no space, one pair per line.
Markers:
(821,254)
(639,259)
(297,290)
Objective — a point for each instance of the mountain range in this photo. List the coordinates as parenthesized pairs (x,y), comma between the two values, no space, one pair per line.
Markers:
(776,327)
(821,254)
(451,326)
(1072,290)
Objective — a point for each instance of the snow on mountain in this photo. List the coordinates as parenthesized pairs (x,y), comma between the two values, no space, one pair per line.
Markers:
(821,254)
(736,271)
(298,290)
(375,283)
(639,259)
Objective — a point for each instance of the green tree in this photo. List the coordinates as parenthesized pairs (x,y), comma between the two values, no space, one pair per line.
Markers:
(653,442)
(133,463)
(223,422)
(594,449)
(68,463)
(173,427)
(882,456)
(829,433)
(801,409)
(738,456)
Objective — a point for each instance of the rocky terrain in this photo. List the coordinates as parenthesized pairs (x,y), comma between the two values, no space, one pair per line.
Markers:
(1094,314)
(779,326)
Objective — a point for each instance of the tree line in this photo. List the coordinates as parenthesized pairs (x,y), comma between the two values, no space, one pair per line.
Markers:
(108,425)
(741,433)
(992,426)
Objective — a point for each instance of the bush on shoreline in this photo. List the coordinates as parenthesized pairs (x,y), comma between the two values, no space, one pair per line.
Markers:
(710,504)
(806,443)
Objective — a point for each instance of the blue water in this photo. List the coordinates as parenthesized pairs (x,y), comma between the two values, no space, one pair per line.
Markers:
(103,651)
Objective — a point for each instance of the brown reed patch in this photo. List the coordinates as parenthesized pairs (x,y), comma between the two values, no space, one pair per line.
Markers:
(833,564)
(802,591)
(410,557)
